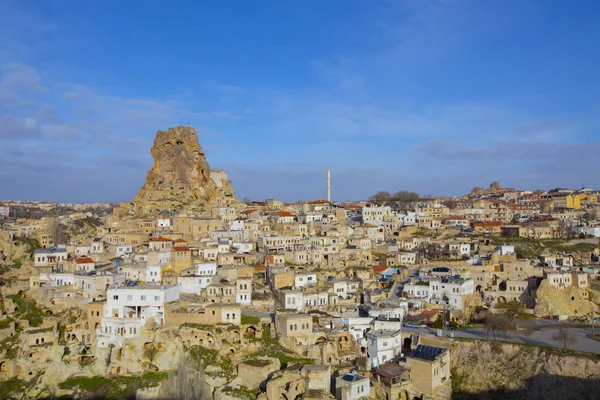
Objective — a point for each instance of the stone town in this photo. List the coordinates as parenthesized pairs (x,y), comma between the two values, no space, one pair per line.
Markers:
(188,290)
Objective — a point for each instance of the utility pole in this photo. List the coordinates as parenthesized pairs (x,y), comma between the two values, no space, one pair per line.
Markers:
(593,319)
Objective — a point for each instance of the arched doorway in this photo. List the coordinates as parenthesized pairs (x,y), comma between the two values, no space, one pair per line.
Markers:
(501,300)
(407,345)
(320,340)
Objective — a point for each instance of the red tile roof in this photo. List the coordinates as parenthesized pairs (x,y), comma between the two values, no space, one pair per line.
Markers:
(84,260)
(380,268)
(488,223)
(182,249)
(161,239)
(285,214)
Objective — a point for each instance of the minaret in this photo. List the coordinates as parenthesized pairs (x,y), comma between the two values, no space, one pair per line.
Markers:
(329,184)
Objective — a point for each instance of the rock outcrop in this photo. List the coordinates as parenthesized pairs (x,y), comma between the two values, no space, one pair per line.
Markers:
(181,175)
(494,187)
(571,301)
(490,370)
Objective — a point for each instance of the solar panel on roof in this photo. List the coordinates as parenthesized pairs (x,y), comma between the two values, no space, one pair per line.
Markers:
(428,353)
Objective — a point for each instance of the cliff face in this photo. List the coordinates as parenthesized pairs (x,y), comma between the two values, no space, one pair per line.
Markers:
(487,370)
(181,172)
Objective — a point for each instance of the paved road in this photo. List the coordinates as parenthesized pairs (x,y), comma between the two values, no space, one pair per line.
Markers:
(544,330)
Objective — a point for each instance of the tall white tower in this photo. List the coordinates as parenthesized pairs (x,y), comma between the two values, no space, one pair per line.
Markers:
(329,184)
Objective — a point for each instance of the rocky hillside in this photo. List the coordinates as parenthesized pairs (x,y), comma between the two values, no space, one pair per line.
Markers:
(181,173)
(492,370)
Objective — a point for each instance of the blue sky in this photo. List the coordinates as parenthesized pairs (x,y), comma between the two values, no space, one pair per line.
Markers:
(434,96)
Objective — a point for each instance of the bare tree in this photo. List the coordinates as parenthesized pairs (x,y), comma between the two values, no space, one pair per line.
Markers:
(505,325)
(380,196)
(490,324)
(589,215)
(187,382)
(527,327)
(512,311)
(565,336)
(405,200)
(565,230)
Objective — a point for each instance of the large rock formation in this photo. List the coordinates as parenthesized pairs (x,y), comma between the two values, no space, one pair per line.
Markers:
(494,187)
(181,175)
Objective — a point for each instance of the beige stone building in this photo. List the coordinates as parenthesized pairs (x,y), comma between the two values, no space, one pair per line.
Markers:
(294,325)
(195,228)
(430,369)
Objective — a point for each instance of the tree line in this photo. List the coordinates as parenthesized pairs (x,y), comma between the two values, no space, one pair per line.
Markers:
(402,199)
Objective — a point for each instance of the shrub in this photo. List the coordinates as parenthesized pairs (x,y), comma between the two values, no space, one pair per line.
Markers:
(250,320)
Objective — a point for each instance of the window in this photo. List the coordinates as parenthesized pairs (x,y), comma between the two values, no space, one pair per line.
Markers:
(157,298)
(143,297)
(115,297)
(129,297)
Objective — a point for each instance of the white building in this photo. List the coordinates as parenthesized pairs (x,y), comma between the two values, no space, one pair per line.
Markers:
(408,219)
(343,288)
(305,279)
(376,215)
(243,247)
(505,250)
(56,279)
(48,257)
(123,249)
(92,285)
(451,290)
(206,269)
(292,299)
(195,283)
(237,225)
(588,230)
(129,308)
(243,293)
(162,222)
(465,249)
(358,326)
(383,346)
(395,311)
(352,386)
(81,251)
(84,264)
(417,289)
(316,299)
(97,246)
(153,274)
